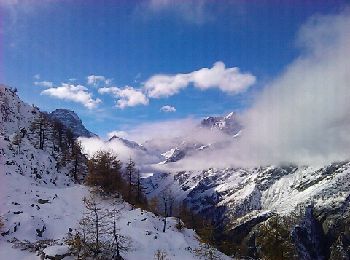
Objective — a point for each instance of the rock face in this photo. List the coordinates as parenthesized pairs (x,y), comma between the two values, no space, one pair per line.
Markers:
(71,120)
(239,200)
(309,238)
(228,124)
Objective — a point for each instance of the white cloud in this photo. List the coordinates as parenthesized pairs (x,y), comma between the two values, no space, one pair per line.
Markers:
(228,80)
(92,145)
(166,85)
(75,93)
(127,97)
(46,84)
(304,115)
(94,80)
(168,109)
(36,76)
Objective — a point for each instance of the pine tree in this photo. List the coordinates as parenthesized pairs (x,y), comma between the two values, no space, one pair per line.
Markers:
(105,172)
(79,162)
(40,127)
(130,172)
(58,134)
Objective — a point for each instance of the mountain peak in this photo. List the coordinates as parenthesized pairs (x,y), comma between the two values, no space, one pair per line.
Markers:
(71,120)
(228,124)
(128,143)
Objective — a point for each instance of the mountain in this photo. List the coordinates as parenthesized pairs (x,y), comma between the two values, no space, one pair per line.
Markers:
(128,143)
(314,202)
(41,198)
(71,120)
(228,124)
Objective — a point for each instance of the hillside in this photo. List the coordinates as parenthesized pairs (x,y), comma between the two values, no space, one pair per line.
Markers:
(42,193)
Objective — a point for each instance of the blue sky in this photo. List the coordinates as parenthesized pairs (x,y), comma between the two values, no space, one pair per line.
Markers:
(128,42)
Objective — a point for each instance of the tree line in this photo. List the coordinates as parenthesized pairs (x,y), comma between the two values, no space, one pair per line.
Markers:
(52,136)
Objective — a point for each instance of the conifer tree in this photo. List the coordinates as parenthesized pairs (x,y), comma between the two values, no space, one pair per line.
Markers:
(130,173)
(40,128)
(105,172)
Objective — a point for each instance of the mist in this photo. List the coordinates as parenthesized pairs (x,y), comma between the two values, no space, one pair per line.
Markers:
(303,116)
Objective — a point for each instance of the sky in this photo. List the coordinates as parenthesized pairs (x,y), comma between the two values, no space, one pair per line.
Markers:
(121,64)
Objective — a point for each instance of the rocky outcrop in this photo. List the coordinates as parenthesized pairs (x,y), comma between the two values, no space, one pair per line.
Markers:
(71,121)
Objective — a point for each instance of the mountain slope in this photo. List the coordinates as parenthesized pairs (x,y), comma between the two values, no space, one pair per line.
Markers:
(41,199)
(239,200)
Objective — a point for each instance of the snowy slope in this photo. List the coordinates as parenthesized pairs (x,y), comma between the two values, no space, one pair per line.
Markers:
(231,196)
(40,200)
(64,210)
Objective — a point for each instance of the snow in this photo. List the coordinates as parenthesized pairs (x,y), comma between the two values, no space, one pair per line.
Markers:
(36,196)
(246,192)
(56,250)
(7,252)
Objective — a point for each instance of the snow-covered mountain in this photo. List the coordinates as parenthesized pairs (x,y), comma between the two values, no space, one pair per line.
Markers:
(128,143)
(228,124)
(41,195)
(71,120)
(240,200)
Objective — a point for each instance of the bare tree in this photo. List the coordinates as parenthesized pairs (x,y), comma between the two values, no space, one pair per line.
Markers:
(168,203)
(98,235)
(161,255)
(95,224)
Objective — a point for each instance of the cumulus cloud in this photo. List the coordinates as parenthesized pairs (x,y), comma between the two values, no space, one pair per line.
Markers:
(168,109)
(228,80)
(75,93)
(127,97)
(94,80)
(46,84)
